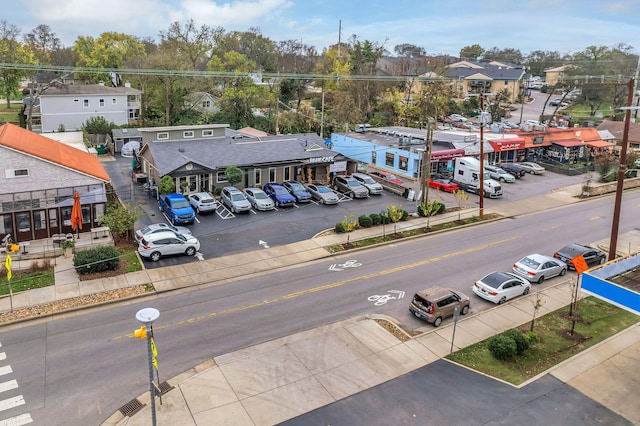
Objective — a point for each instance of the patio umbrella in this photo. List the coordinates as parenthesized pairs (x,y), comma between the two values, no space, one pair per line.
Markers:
(76,214)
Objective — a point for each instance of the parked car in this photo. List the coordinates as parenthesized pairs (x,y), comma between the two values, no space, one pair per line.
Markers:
(177,209)
(161,227)
(555,102)
(443,185)
(514,169)
(322,194)
(202,202)
(532,122)
(374,187)
(154,246)
(437,303)
(350,186)
(532,168)
(499,174)
(279,195)
(234,199)
(498,287)
(457,118)
(511,124)
(389,177)
(297,190)
(259,199)
(592,256)
(538,267)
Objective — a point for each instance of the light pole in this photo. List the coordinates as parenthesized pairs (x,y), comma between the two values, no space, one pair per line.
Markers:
(146,317)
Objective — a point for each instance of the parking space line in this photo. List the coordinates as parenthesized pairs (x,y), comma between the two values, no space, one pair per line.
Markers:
(20,420)
(5,370)
(7,404)
(11,384)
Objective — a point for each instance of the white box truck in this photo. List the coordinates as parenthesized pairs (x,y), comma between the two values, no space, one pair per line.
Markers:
(466,173)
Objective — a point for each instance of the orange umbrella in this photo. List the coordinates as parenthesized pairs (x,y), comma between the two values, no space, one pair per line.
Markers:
(76,213)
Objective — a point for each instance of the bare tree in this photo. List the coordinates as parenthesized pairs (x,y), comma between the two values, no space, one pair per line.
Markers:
(42,42)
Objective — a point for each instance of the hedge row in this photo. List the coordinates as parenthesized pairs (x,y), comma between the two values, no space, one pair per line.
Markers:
(97,259)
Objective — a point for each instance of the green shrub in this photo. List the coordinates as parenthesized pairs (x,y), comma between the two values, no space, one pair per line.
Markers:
(502,347)
(365,221)
(385,219)
(340,228)
(376,219)
(96,260)
(441,208)
(522,344)
(405,215)
(532,337)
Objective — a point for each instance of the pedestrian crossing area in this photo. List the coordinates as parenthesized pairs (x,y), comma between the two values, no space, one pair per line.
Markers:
(8,387)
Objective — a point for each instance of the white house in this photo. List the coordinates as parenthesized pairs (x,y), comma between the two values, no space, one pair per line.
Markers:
(70,106)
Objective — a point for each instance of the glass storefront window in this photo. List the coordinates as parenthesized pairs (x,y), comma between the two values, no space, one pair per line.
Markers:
(53,220)
(5,224)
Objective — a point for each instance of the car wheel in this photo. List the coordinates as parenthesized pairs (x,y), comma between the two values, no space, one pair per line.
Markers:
(465,310)
(437,322)
(530,171)
(502,180)
(562,272)
(526,290)
(352,194)
(541,279)
(190,251)
(197,210)
(602,261)
(501,301)
(173,221)
(155,256)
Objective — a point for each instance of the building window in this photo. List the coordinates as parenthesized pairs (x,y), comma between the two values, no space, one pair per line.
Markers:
(114,101)
(373,157)
(206,133)
(272,174)
(187,134)
(256,174)
(101,102)
(221,177)
(86,103)
(206,104)
(287,173)
(389,159)
(163,135)
(404,163)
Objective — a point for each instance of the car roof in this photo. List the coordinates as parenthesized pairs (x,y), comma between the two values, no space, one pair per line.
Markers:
(575,248)
(201,194)
(540,257)
(160,235)
(231,188)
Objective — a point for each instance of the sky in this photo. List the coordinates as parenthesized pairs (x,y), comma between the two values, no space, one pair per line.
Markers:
(440,27)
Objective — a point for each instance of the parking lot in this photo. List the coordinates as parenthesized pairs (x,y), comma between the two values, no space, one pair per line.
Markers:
(247,231)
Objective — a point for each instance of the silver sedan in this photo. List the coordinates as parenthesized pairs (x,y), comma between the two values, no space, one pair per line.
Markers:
(538,267)
(259,199)
(322,193)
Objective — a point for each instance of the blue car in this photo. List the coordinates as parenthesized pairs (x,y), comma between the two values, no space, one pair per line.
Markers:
(298,191)
(279,194)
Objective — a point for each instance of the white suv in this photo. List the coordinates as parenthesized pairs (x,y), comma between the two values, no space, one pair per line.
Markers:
(202,202)
(499,174)
(367,181)
(156,245)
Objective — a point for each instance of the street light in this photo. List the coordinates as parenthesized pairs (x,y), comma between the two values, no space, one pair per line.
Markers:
(146,317)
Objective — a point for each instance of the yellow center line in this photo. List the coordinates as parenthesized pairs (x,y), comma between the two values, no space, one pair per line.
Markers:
(334,284)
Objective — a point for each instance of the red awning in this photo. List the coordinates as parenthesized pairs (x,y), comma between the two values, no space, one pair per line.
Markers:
(446,154)
(567,143)
(600,144)
(507,145)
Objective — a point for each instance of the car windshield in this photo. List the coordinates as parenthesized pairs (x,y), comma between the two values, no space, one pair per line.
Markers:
(390,176)
(323,189)
(296,186)
(180,204)
(280,190)
(368,180)
(260,195)
(353,182)
(530,263)
(237,197)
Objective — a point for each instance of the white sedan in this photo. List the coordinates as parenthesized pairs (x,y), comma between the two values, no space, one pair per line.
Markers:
(498,287)
(538,267)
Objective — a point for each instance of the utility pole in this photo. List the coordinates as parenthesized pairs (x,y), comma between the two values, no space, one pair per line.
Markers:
(622,167)
(426,162)
(481,188)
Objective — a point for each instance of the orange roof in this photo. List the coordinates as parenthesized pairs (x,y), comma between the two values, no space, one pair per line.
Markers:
(27,142)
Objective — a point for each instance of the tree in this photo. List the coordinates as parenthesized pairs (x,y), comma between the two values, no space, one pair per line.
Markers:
(110,50)
(234,174)
(120,219)
(98,126)
(509,55)
(407,50)
(167,185)
(251,44)
(12,52)
(189,42)
(394,214)
(461,197)
(471,53)
(42,42)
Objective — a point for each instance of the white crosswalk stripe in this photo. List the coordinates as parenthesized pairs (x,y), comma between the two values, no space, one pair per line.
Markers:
(5,370)
(3,356)
(6,404)
(11,384)
(20,420)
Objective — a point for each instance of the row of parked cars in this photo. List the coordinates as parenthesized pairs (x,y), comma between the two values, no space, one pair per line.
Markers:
(509,172)
(437,303)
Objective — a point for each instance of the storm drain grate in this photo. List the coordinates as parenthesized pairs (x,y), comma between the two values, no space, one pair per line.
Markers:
(164,388)
(131,407)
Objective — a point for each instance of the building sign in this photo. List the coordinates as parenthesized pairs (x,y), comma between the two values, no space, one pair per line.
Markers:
(446,154)
(471,138)
(318,160)
(506,146)
(338,166)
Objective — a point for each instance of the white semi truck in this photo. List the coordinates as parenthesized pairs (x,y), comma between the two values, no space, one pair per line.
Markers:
(466,173)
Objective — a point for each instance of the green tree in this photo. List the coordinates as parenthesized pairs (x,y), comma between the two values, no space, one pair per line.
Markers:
(191,44)
(98,126)
(167,185)
(12,52)
(121,219)
(110,50)
(471,53)
(234,174)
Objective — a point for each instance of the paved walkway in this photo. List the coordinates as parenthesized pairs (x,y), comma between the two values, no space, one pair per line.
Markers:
(281,379)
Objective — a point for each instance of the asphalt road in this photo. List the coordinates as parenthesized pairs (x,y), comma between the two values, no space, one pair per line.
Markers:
(79,368)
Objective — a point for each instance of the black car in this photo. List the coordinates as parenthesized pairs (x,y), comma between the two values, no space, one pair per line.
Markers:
(592,256)
(514,169)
